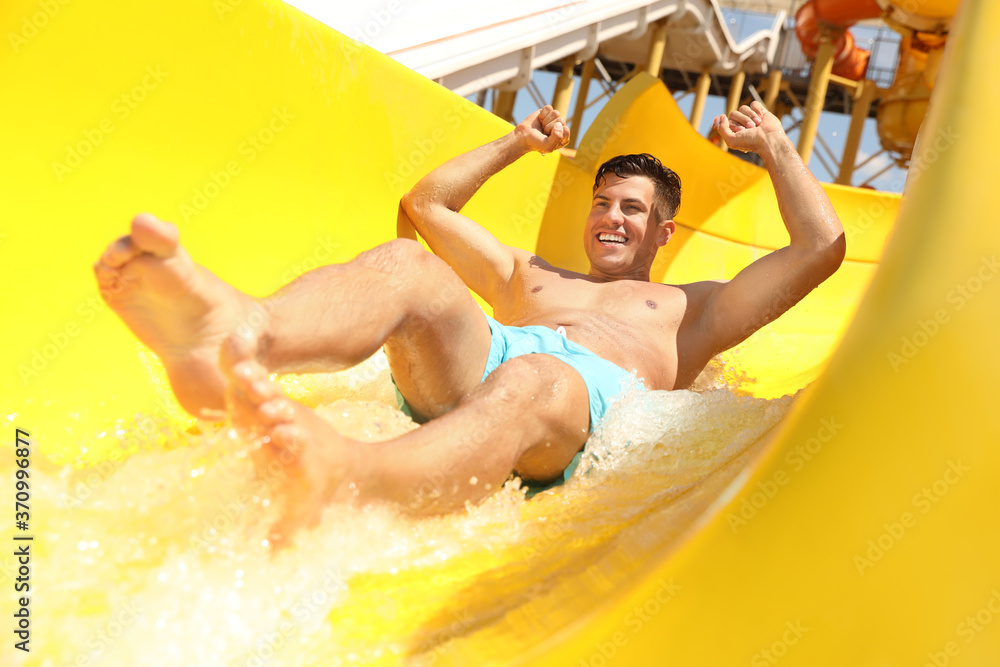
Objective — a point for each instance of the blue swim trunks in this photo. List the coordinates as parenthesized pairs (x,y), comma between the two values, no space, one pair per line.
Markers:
(604,380)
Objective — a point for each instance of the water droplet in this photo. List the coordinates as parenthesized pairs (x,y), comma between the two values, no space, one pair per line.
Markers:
(473,481)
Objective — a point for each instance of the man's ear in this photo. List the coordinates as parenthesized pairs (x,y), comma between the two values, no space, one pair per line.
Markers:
(664,230)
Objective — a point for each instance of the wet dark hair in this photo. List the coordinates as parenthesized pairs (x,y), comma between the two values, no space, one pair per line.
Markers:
(666,183)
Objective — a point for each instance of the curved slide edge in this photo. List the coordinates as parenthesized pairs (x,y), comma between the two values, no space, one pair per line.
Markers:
(865,536)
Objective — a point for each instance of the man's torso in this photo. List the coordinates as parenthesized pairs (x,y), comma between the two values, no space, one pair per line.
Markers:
(640,326)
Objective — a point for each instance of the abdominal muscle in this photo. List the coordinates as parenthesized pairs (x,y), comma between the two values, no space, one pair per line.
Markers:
(631,347)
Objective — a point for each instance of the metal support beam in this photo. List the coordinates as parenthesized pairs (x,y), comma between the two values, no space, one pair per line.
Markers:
(864,95)
(564,86)
(700,94)
(735,91)
(733,100)
(581,101)
(818,83)
(657,45)
(773,88)
(503,104)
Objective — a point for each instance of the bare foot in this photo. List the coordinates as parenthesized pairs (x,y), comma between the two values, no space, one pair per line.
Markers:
(178,309)
(302,455)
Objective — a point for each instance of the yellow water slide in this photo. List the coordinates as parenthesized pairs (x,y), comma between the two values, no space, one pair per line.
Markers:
(862,530)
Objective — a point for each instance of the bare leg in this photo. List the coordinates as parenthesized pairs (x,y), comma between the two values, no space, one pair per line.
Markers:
(334,317)
(530,415)
(397,295)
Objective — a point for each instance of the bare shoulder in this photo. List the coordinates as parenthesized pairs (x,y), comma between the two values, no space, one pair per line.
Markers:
(523,257)
(698,294)
(696,297)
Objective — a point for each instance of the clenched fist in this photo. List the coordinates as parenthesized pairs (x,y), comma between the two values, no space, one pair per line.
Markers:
(749,127)
(543,131)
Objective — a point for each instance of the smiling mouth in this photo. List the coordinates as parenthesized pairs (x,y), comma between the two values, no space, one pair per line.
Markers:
(612,238)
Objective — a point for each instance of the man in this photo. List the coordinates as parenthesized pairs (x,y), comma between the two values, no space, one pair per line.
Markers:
(518,396)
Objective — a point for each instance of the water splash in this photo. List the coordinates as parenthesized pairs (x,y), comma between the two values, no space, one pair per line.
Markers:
(160,558)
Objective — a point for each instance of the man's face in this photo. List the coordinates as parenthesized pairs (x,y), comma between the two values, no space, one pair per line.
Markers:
(621,235)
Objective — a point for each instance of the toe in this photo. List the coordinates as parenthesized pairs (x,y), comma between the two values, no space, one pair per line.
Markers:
(154,236)
(238,347)
(276,411)
(108,279)
(288,436)
(245,375)
(118,253)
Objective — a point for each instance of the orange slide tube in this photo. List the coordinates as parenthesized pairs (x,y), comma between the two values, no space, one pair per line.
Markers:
(850,61)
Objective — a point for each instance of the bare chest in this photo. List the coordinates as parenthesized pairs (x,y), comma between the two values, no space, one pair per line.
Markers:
(637,304)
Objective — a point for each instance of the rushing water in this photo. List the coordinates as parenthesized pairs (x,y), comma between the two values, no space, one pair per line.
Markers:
(160,557)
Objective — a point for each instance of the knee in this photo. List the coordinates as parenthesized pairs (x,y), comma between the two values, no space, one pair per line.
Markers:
(520,379)
(542,382)
(437,288)
(397,256)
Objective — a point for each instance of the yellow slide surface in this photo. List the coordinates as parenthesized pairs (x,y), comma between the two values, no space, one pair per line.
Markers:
(861,529)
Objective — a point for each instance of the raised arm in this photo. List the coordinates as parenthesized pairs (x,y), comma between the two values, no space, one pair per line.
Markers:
(433,205)
(774,283)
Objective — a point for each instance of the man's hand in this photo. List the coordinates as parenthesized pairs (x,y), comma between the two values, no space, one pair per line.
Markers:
(543,131)
(749,128)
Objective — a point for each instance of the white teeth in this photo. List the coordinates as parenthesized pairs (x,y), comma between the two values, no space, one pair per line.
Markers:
(616,238)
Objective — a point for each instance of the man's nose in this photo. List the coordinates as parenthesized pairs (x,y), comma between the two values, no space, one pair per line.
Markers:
(614,214)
